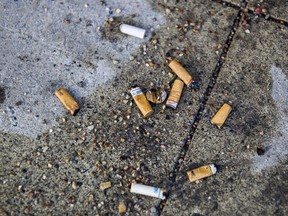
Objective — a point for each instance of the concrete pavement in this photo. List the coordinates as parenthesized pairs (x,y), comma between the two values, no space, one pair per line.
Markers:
(55,167)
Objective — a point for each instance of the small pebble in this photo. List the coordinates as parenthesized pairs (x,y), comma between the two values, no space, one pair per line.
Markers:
(74,185)
(118,10)
(105,185)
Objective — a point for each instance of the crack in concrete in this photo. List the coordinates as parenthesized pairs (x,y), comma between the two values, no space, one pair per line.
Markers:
(194,123)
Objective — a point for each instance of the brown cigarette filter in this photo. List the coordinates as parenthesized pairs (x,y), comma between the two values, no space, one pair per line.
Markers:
(67,100)
(141,101)
(175,94)
(122,208)
(201,172)
(221,115)
(181,72)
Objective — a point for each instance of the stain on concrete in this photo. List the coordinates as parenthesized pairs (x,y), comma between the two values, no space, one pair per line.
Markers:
(277,146)
(2,95)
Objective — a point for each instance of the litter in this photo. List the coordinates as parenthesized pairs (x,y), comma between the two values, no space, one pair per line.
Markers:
(148,190)
(132,30)
(175,94)
(122,208)
(67,100)
(105,185)
(181,72)
(141,101)
(221,115)
(156,96)
(201,172)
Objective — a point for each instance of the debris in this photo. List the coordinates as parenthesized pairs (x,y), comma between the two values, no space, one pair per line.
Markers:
(201,172)
(132,30)
(141,101)
(148,190)
(156,96)
(3,212)
(181,72)
(247,31)
(221,115)
(74,185)
(105,185)
(118,10)
(258,10)
(67,100)
(175,94)
(260,151)
(122,208)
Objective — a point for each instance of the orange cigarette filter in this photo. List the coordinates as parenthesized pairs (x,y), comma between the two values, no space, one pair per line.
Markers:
(181,72)
(221,115)
(141,102)
(201,172)
(67,100)
(175,94)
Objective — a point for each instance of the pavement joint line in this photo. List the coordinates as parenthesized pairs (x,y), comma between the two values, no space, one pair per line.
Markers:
(194,122)
(249,11)
(227,4)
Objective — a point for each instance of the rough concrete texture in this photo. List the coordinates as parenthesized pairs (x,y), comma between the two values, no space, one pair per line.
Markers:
(251,148)
(57,170)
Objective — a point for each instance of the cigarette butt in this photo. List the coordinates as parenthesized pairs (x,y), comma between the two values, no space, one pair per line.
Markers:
(132,30)
(105,185)
(67,100)
(142,102)
(201,172)
(221,115)
(148,190)
(122,208)
(181,72)
(175,94)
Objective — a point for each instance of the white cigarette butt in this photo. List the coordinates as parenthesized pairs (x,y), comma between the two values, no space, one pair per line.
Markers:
(132,30)
(148,190)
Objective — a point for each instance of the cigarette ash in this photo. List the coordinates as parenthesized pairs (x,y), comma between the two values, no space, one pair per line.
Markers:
(277,148)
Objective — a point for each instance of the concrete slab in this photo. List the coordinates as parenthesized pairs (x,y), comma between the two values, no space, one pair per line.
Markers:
(41,61)
(251,147)
(108,140)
